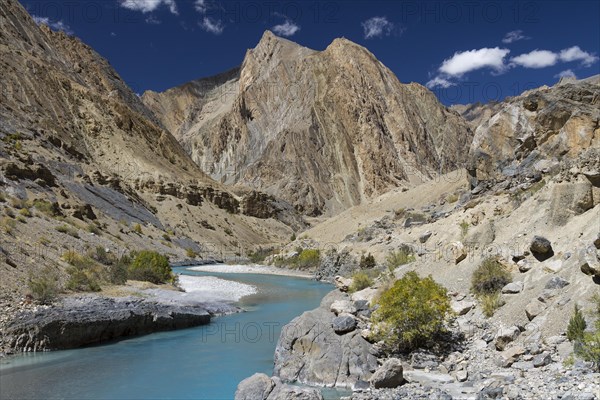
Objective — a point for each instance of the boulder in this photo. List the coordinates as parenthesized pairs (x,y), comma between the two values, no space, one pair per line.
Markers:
(597,241)
(342,283)
(389,375)
(425,237)
(591,270)
(542,360)
(256,387)
(284,391)
(343,307)
(344,324)
(461,376)
(524,265)
(462,307)
(261,387)
(553,266)
(513,288)
(367,294)
(458,252)
(505,336)
(534,308)
(541,248)
(556,282)
(427,378)
(510,355)
(309,351)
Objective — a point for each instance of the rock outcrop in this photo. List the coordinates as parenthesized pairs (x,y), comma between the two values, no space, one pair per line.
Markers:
(323,130)
(88,320)
(261,387)
(530,133)
(310,352)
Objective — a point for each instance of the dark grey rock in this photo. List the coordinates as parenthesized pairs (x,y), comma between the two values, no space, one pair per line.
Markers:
(344,324)
(421,360)
(425,236)
(541,248)
(541,360)
(84,321)
(556,282)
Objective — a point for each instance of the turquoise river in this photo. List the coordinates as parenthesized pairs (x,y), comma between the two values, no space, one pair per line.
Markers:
(206,362)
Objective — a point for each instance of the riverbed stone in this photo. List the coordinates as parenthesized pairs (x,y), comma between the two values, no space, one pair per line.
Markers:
(505,336)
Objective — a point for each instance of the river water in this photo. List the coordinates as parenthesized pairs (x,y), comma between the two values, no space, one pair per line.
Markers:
(205,362)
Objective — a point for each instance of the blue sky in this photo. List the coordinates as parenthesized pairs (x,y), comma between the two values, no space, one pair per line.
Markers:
(464,51)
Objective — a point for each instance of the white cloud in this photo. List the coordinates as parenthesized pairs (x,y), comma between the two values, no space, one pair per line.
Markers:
(288,28)
(201,6)
(471,60)
(576,54)
(113,34)
(535,59)
(146,6)
(514,36)
(54,25)
(439,81)
(211,25)
(377,27)
(152,21)
(566,74)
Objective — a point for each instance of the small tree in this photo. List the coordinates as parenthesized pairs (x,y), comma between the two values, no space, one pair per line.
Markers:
(404,255)
(367,262)
(412,313)
(577,325)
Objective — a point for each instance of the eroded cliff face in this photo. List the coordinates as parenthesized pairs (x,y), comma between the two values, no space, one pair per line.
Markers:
(324,130)
(536,130)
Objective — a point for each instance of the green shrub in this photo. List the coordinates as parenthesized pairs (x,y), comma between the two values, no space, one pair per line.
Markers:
(2,197)
(150,266)
(8,224)
(588,347)
(490,277)
(400,257)
(84,273)
(166,237)
(453,198)
(360,280)
(25,212)
(68,230)
(464,229)
(258,256)
(93,228)
(46,207)
(44,287)
(293,237)
(412,313)
(17,203)
(308,259)
(367,262)
(490,303)
(577,325)
(101,255)
(117,271)
(190,253)
(137,228)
